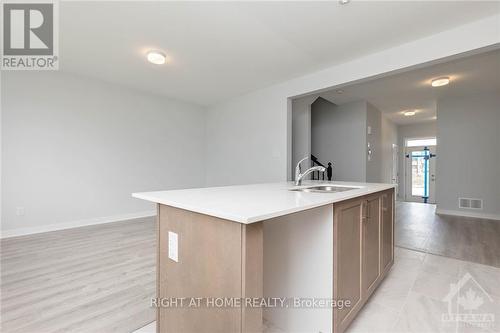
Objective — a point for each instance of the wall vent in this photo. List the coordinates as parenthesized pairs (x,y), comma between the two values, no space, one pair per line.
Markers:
(470,203)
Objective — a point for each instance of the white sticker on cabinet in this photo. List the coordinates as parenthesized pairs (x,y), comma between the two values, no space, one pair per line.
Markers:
(173,246)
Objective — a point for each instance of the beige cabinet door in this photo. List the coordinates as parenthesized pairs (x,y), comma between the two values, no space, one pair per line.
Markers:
(387,233)
(347,261)
(370,244)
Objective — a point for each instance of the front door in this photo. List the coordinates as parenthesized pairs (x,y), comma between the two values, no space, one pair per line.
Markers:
(420,174)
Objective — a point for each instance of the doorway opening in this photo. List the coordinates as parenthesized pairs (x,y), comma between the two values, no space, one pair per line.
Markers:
(420,170)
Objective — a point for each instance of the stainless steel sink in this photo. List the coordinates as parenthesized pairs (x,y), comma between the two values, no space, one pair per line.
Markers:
(325,189)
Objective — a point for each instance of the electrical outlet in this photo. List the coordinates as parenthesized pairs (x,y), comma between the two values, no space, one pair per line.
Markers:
(20,211)
(173,246)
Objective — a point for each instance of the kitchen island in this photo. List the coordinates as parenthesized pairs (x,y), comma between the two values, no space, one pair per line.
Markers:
(290,254)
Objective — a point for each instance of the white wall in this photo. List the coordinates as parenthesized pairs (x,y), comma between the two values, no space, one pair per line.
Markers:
(419,130)
(247,141)
(252,132)
(74,149)
(338,135)
(469,152)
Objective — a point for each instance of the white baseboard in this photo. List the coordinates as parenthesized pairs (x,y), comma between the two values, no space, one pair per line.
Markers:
(75,224)
(468,214)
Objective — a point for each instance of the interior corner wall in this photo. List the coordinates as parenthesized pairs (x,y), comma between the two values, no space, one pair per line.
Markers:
(248,136)
(338,135)
(74,149)
(301,131)
(419,130)
(468,152)
(389,138)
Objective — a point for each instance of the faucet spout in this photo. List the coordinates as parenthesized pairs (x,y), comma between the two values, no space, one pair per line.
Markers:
(299,176)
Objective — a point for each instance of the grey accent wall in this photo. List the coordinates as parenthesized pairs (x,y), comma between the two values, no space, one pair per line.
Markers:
(469,151)
(339,135)
(427,129)
(374,161)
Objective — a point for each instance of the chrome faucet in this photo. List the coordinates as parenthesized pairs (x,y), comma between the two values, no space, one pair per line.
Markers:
(299,176)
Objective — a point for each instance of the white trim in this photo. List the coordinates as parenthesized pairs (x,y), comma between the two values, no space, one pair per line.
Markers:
(75,224)
(468,214)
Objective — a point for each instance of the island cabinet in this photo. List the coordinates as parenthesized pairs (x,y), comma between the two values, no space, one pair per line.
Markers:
(340,250)
(209,263)
(363,251)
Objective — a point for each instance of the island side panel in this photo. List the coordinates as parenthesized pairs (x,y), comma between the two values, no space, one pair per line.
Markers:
(252,274)
(158,251)
(298,260)
(215,258)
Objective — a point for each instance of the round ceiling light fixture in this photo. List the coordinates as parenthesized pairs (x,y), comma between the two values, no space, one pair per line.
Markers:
(344,2)
(440,81)
(339,91)
(156,57)
(409,113)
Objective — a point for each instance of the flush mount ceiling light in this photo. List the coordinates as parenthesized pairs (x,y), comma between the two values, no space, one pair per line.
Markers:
(409,113)
(344,2)
(339,91)
(156,57)
(440,81)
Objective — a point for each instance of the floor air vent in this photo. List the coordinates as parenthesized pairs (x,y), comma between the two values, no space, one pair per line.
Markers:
(470,203)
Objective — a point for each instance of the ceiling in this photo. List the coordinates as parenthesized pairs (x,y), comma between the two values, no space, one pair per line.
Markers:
(218,50)
(412,91)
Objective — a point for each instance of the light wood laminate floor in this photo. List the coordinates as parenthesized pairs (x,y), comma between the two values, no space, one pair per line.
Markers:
(471,239)
(91,279)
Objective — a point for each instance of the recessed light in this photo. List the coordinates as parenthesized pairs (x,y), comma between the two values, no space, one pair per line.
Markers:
(440,81)
(409,113)
(339,91)
(344,2)
(156,57)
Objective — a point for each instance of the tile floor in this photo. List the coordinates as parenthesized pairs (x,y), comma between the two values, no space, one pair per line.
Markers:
(411,297)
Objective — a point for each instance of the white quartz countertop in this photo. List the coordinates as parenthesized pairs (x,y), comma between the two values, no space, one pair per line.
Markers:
(256,202)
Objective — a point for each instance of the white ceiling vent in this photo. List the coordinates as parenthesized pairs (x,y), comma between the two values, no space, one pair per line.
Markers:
(470,203)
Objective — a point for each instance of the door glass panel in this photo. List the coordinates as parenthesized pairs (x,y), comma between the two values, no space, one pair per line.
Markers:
(419,174)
